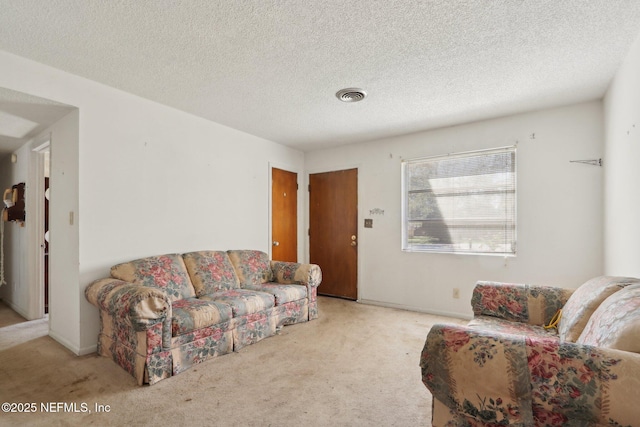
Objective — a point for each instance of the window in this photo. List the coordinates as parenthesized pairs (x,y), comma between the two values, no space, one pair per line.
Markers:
(461,203)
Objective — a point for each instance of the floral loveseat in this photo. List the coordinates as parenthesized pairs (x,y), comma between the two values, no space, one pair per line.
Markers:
(505,368)
(160,315)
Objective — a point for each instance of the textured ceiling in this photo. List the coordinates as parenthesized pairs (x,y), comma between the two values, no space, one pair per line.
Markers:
(272,67)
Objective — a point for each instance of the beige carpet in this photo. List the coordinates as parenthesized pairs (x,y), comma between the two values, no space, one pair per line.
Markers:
(357,365)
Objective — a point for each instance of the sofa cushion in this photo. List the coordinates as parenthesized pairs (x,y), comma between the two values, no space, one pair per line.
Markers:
(501,326)
(252,267)
(190,314)
(293,272)
(242,301)
(282,293)
(584,301)
(616,323)
(210,271)
(166,272)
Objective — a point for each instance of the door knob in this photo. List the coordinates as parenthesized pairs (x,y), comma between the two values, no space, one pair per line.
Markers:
(353,243)
(275,243)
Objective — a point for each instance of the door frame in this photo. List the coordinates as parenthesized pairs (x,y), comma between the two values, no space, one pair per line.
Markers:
(35,228)
(361,236)
(299,208)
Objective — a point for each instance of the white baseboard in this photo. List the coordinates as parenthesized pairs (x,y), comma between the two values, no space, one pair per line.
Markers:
(88,350)
(75,349)
(15,308)
(417,309)
(61,340)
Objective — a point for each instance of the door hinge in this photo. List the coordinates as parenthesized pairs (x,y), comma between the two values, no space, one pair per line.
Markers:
(309,188)
(308,232)
(297,187)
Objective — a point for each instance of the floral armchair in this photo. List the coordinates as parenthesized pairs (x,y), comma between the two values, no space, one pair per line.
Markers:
(505,368)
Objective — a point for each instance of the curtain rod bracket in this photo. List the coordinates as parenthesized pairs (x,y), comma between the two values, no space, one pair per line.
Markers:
(593,162)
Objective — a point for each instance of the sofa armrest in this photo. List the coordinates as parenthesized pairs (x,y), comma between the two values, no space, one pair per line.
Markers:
(515,302)
(496,378)
(143,306)
(296,274)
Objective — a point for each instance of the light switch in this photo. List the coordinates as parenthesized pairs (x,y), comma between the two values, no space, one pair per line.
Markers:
(368,223)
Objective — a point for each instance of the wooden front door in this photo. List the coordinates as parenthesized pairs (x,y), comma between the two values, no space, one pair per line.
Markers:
(284,215)
(333,231)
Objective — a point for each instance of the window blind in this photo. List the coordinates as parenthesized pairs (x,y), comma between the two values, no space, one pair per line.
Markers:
(462,203)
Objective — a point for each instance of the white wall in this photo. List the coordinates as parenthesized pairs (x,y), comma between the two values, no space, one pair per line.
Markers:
(64,250)
(147,179)
(559,208)
(622,169)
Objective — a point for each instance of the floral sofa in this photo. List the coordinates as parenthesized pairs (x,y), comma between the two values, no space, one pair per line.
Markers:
(505,368)
(161,315)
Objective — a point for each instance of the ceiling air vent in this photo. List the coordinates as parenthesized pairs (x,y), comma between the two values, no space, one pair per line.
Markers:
(351,95)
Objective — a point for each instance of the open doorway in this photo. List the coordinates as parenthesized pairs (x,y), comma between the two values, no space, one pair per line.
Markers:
(40,172)
(47,195)
(22,159)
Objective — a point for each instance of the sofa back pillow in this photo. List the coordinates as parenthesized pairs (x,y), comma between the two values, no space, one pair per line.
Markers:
(210,272)
(166,272)
(585,300)
(616,323)
(252,267)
